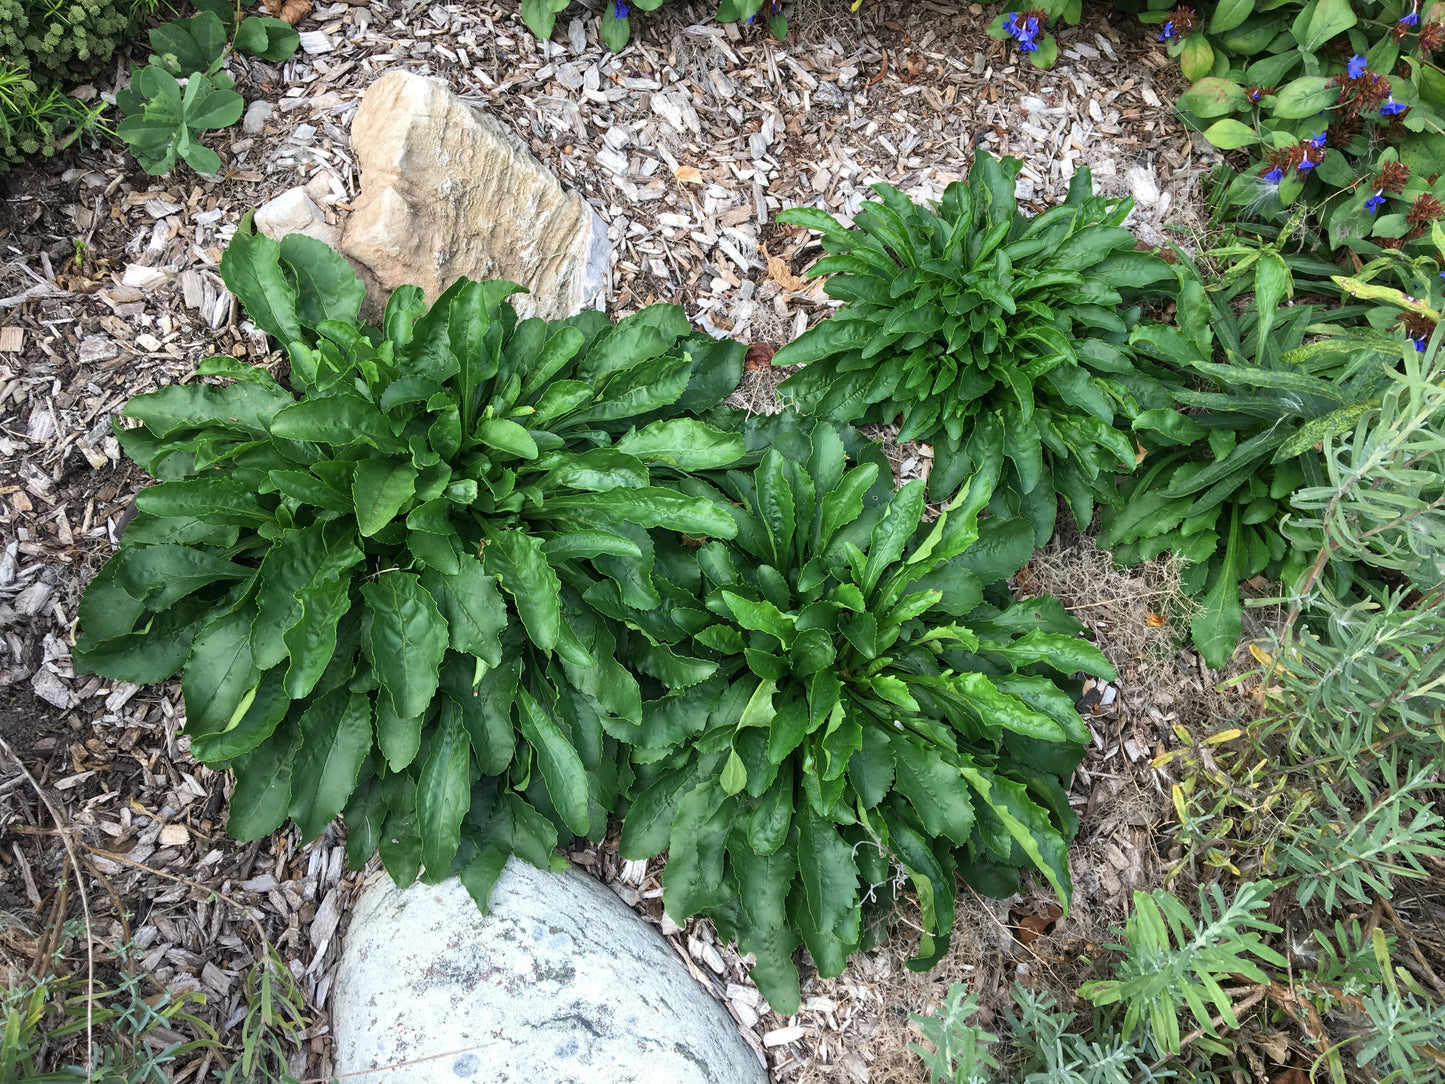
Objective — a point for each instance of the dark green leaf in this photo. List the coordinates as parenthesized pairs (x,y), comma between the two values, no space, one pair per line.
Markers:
(335,739)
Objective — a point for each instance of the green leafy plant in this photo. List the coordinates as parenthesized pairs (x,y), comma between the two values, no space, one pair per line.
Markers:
(275,1018)
(959,1054)
(1174,960)
(1028,28)
(44,1014)
(1214,484)
(615,27)
(164,121)
(331,565)
(969,312)
(1040,1047)
(1338,103)
(853,707)
(54,43)
(1356,847)
(40,122)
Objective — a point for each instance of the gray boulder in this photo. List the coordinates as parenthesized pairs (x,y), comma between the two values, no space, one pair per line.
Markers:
(560,984)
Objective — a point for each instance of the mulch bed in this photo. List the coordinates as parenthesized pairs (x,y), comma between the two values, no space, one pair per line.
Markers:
(687,144)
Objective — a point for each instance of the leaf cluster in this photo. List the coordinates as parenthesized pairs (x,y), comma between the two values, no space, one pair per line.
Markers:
(165,119)
(1267,77)
(969,314)
(39,122)
(1269,383)
(61,43)
(1041,1047)
(332,564)
(863,700)
(1174,960)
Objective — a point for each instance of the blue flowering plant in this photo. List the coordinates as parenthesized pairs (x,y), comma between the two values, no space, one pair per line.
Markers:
(1336,103)
(1028,29)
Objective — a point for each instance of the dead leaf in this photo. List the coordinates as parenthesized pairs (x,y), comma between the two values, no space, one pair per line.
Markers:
(687,175)
(882,71)
(1140,454)
(1031,927)
(781,273)
(759,356)
(292,11)
(1156,621)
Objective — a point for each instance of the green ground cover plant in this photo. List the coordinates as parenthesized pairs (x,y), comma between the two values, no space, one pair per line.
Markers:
(1335,104)
(372,578)
(1324,803)
(867,698)
(970,318)
(44,48)
(128,1034)
(1269,383)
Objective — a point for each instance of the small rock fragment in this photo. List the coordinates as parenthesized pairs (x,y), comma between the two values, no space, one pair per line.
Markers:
(254,122)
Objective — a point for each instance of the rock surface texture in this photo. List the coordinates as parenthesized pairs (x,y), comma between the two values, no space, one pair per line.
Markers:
(560,984)
(446,190)
(293,211)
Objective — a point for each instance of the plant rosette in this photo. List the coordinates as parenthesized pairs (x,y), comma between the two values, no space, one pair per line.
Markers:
(969,310)
(184,91)
(373,580)
(1269,383)
(870,702)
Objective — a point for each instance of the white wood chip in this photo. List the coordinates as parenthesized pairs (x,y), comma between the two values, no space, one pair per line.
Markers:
(316,41)
(174,835)
(784,1035)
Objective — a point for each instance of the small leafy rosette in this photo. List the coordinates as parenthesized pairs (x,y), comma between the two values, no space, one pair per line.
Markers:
(968,311)
(184,91)
(374,580)
(865,710)
(1215,484)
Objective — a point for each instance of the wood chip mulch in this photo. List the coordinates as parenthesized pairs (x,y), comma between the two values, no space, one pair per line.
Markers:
(687,144)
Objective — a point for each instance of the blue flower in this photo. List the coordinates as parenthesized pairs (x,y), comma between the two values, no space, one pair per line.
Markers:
(1391,107)
(1410,18)
(1168,31)
(1419,341)
(1011,24)
(1306,166)
(1274,176)
(620,8)
(1356,66)
(1373,203)
(1319,139)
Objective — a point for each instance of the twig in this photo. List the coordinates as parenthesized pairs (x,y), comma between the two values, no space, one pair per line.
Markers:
(245,911)
(84,906)
(394,1065)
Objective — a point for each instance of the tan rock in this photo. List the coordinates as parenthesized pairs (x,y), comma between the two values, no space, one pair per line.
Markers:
(293,211)
(447,191)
